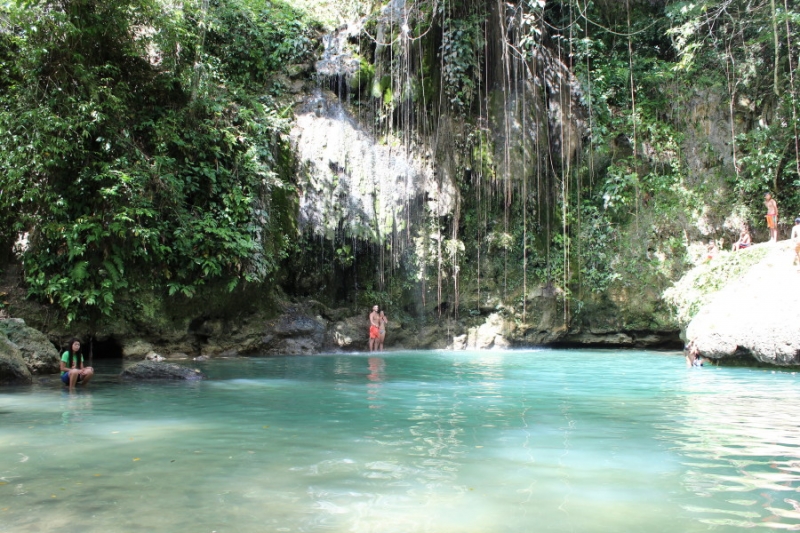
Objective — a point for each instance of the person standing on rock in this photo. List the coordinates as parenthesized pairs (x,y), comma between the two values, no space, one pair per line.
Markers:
(381,330)
(374,328)
(796,240)
(72,369)
(772,217)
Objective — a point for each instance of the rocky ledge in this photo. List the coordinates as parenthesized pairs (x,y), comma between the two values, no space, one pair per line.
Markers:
(754,315)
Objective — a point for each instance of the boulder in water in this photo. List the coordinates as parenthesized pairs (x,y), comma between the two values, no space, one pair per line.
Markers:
(755,315)
(38,353)
(151,370)
(13,370)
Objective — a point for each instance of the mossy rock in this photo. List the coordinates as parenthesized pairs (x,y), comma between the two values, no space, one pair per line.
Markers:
(13,370)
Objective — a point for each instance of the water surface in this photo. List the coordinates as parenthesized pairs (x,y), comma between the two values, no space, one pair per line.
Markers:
(562,441)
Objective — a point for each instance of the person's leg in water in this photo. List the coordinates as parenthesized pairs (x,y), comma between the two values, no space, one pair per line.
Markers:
(74,374)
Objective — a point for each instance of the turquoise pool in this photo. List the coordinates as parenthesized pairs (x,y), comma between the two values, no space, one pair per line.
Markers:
(442,442)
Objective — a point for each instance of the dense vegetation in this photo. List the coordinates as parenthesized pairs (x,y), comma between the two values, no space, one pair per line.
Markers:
(143,144)
(687,115)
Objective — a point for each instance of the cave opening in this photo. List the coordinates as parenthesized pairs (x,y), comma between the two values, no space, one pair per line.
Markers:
(104,349)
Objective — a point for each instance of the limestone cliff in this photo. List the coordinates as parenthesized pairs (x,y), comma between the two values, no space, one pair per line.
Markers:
(744,306)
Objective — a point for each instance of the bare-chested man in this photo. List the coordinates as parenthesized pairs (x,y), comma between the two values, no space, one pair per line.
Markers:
(772,217)
(374,328)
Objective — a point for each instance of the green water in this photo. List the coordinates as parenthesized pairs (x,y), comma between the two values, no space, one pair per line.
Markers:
(563,441)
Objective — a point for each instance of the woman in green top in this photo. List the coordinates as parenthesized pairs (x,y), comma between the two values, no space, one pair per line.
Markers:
(72,369)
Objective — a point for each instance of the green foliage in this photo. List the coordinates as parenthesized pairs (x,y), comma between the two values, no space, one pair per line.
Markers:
(254,39)
(124,178)
(747,46)
(598,250)
(768,163)
(461,53)
(693,290)
(362,79)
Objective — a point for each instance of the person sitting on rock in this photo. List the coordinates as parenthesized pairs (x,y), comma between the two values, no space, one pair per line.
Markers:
(73,370)
(744,240)
(711,250)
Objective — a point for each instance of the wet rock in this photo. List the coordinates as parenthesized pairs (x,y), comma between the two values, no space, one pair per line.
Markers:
(493,333)
(293,333)
(13,370)
(150,370)
(153,356)
(136,349)
(349,333)
(459,342)
(39,354)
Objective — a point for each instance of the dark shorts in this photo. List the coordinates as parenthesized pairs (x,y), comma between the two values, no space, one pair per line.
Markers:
(65,378)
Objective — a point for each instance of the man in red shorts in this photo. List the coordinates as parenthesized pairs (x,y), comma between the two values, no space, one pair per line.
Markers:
(374,327)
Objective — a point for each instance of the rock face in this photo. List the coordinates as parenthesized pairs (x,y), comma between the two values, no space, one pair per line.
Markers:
(294,334)
(37,351)
(13,370)
(151,370)
(756,316)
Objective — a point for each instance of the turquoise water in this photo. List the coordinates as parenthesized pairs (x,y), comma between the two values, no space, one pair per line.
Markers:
(562,441)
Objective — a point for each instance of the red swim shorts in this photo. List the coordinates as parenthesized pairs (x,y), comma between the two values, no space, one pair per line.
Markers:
(373,332)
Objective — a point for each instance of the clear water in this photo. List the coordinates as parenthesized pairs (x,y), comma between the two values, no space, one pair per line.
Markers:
(563,441)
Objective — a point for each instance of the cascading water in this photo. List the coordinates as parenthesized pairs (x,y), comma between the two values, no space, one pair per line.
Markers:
(392,154)
(351,177)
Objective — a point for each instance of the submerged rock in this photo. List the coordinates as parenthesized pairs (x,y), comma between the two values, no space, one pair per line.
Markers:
(151,370)
(13,370)
(38,353)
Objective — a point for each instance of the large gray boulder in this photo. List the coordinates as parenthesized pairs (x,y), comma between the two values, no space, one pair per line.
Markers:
(152,370)
(757,315)
(37,351)
(293,333)
(13,370)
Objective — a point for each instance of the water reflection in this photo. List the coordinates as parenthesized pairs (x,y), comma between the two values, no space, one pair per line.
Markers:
(75,406)
(377,367)
(740,449)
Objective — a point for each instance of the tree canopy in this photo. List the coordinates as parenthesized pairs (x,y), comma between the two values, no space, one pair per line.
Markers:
(141,146)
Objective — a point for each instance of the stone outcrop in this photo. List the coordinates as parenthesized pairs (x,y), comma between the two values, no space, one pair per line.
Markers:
(13,370)
(39,354)
(755,316)
(160,371)
(350,333)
